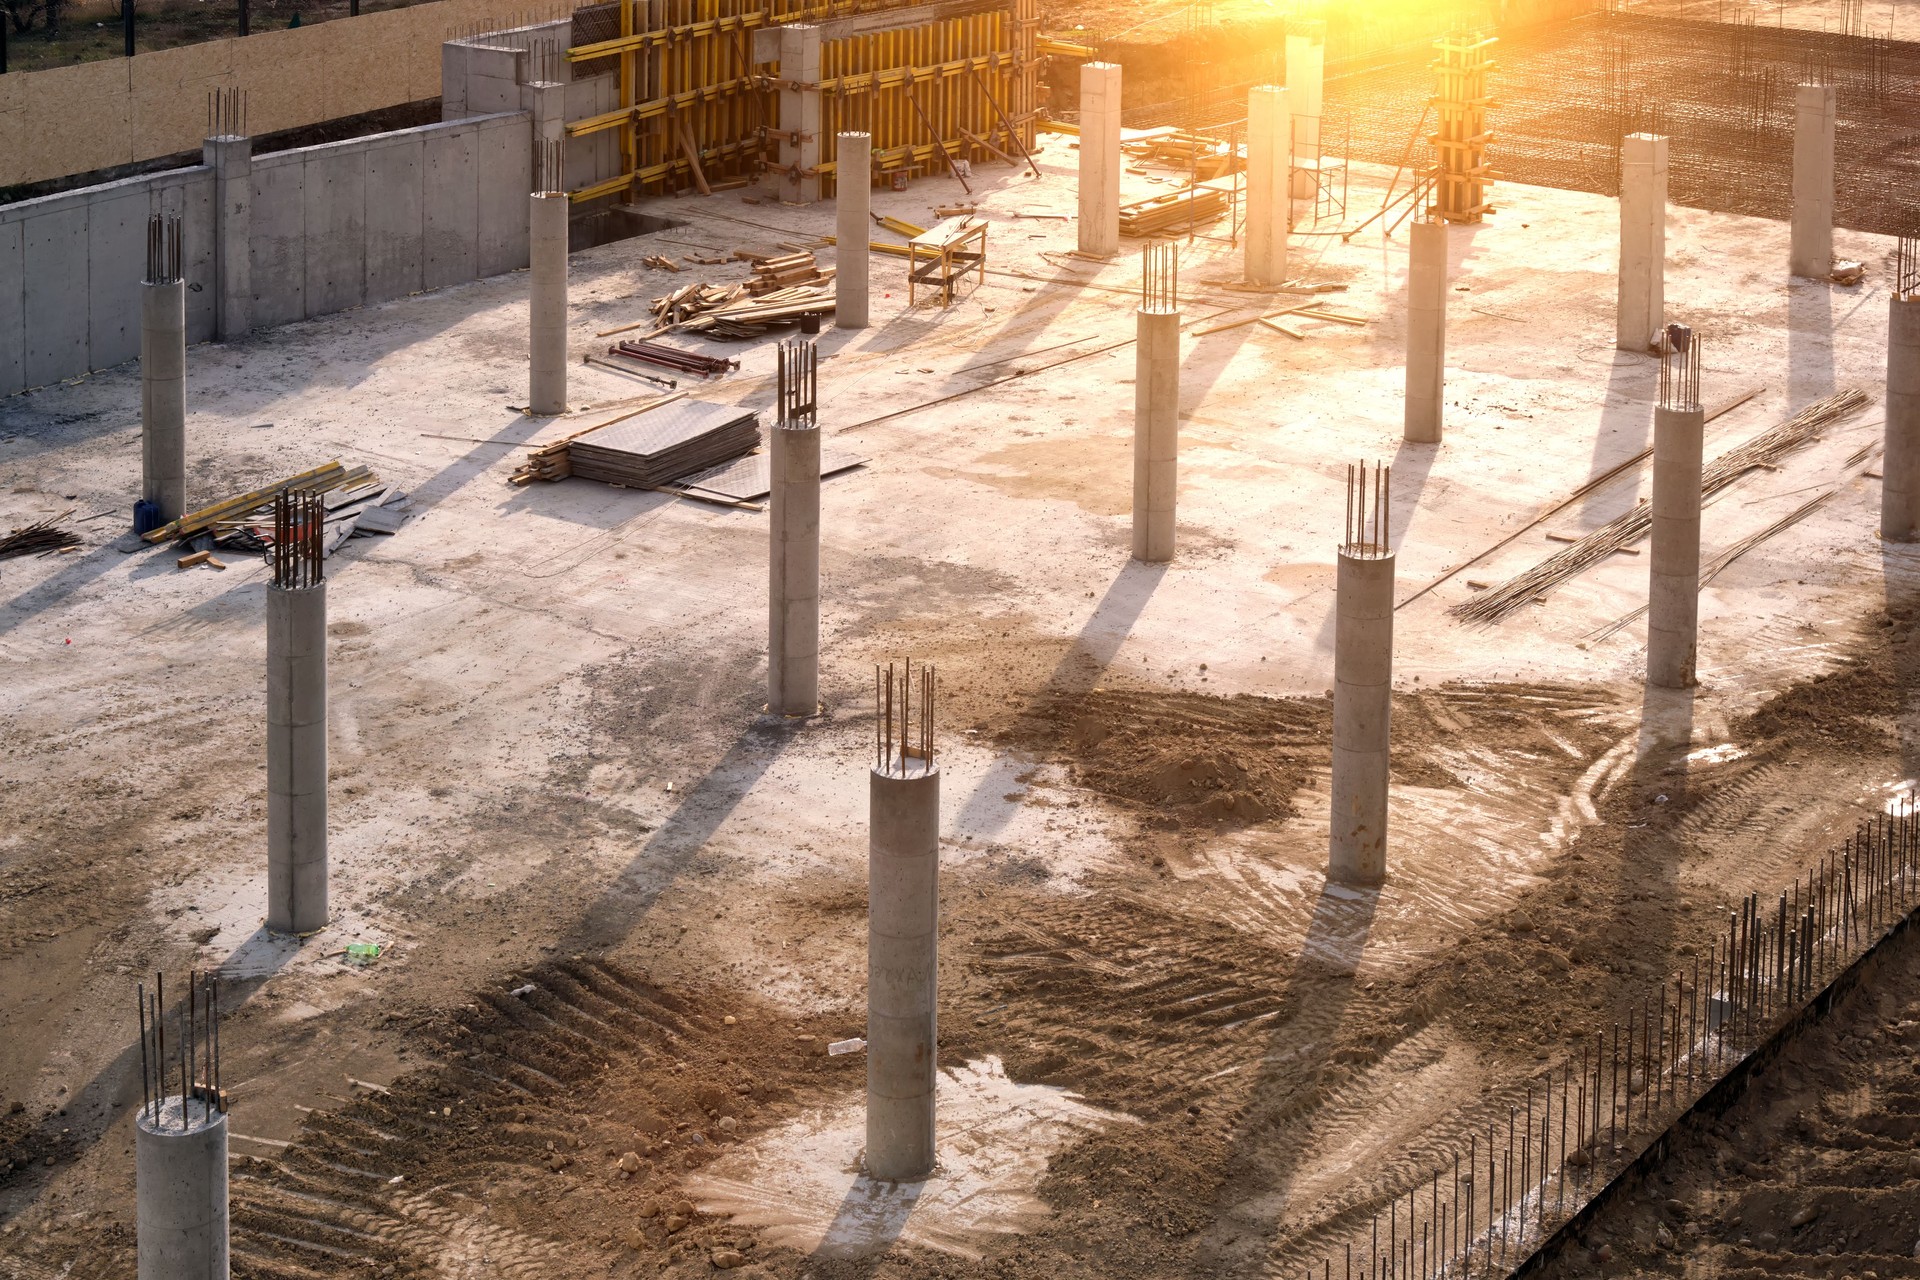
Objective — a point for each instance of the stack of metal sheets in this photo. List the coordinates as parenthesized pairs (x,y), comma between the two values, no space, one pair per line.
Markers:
(672,441)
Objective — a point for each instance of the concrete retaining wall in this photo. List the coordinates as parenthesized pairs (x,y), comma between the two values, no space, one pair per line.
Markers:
(70,270)
(331,227)
(362,221)
(120,110)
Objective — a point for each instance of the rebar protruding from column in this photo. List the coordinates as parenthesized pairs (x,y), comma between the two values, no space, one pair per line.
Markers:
(793,507)
(1900,467)
(226,113)
(298,552)
(180,1136)
(1156,404)
(163,375)
(1362,681)
(1673,593)
(903,923)
(163,249)
(547,219)
(1426,331)
(297,719)
(853,203)
(549,166)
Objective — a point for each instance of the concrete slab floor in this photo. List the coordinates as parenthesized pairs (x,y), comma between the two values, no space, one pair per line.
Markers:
(544,700)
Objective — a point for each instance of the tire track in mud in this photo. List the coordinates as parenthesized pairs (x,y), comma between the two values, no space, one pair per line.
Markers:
(504,1156)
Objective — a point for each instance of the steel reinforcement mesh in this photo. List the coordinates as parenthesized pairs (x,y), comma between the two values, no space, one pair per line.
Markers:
(1723,93)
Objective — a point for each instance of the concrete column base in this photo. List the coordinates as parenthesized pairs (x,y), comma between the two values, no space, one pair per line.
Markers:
(903,971)
(1673,589)
(793,584)
(1900,468)
(163,396)
(1156,434)
(297,759)
(1362,718)
(180,1193)
(1426,332)
(547,216)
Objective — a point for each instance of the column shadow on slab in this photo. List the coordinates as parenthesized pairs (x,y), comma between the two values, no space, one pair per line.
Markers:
(1809,342)
(871,1217)
(1262,1155)
(984,812)
(1625,428)
(678,841)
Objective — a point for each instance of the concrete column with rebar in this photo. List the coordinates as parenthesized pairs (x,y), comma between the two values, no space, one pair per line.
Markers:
(297,720)
(547,215)
(1426,331)
(1100,161)
(163,373)
(1673,588)
(1640,312)
(1812,229)
(1306,80)
(793,509)
(1900,467)
(852,210)
(1362,684)
(1269,206)
(180,1191)
(903,927)
(231,159)
(799,113)
(1156,405)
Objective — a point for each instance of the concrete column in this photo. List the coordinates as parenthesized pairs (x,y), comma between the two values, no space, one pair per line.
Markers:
(297,759)
(1100,160)
(903,955)
(1156,433)
(793,587)
(1426,331)
(1362,711)
(547,304)
(231,159)
(1900,468)
(1269,207)
(852,207)
(1306,78)
(800,112)
(1641,312)
(180,1192)
(1673,595)
(1812,252)
(163,396)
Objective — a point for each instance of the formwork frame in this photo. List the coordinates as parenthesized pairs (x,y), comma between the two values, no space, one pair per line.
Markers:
(1460,171)
(697,107)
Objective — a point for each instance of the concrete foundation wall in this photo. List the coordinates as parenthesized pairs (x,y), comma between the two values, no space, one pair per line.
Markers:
(488,74)
(363,221)
(331,227)
(70,269)
(121,110)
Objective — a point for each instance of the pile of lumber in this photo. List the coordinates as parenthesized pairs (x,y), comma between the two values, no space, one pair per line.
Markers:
(236,518)
(363,511)
(1172,211)
(665,445)
(1194,152)
(782,288)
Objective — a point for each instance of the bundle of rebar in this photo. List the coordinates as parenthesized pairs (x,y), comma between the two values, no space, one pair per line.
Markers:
(673,358)
(1764,450)
(43,538)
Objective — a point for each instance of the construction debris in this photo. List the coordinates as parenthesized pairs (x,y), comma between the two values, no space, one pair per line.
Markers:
(41,539)
(1206,158)
(782,289)
(661,261)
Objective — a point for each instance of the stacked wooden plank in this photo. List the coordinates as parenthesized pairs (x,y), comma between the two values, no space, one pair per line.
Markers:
(1174,210)
(788,269)
(752,317)
(674,441)
(1195,152)
(237,512)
